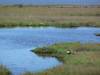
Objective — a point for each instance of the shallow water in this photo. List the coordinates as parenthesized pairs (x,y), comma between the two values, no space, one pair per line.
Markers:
(16,43)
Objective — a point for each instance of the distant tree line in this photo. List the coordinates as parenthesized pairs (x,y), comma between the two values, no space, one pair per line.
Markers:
(57,6)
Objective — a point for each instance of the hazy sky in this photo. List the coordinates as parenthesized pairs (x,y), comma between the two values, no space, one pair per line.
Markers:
(49,1)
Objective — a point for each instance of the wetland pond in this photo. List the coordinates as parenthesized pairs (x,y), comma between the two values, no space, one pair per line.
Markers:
(16,43)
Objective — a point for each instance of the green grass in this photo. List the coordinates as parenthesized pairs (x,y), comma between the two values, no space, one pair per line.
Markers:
(4,70)
(83,60)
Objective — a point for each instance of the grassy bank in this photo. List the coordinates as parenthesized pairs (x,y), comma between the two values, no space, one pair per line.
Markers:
(59,16)
(83,59)
(4,70)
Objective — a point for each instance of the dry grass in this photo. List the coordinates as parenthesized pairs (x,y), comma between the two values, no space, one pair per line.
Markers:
(71,70)
(50,15)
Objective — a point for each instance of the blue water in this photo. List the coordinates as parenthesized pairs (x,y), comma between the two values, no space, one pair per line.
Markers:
(16,43)
(95,2)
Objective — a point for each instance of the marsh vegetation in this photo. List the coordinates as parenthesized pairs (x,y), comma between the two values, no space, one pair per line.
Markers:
(4,70)
(59,16)
(97,34)
(77,58)
(84,59)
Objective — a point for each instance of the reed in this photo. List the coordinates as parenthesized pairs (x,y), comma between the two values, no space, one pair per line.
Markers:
(4,70)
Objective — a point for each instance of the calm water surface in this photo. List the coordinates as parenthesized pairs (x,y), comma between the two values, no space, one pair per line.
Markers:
(16,43)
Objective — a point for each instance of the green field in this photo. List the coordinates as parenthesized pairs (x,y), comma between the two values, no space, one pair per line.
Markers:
(59,16)
(83,59)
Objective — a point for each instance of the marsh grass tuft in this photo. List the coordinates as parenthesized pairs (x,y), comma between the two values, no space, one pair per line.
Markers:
(97,34)
(4,70)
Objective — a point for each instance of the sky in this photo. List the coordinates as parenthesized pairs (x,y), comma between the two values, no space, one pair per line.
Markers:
(50,2)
